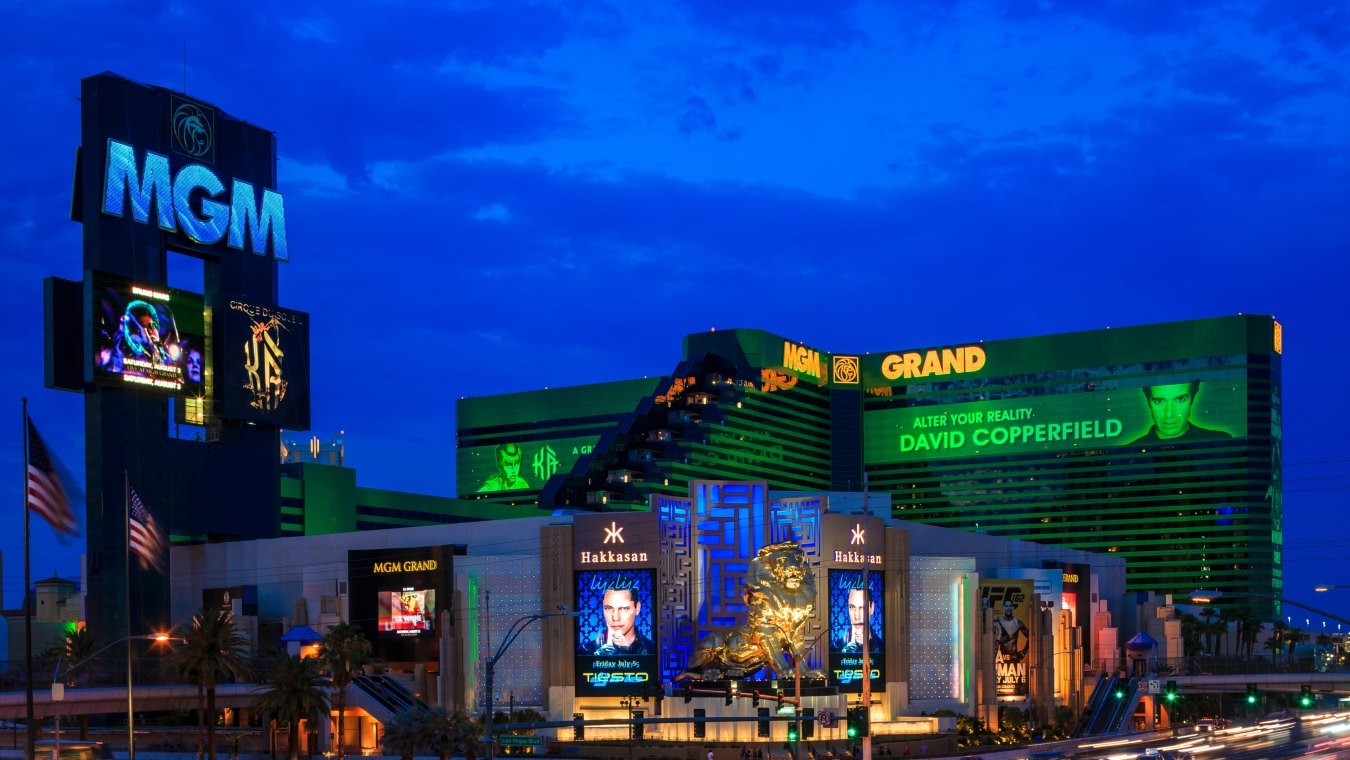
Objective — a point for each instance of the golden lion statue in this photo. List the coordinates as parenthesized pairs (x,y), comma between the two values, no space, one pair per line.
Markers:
(780,594)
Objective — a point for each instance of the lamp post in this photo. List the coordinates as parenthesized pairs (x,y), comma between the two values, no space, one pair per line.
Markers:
(1321,587)
(59,687)
(512,634)
(1206,596)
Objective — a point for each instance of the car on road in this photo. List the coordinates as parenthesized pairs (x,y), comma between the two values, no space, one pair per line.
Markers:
(1047,754)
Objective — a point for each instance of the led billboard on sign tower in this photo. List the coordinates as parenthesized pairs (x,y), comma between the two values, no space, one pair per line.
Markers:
(615,558)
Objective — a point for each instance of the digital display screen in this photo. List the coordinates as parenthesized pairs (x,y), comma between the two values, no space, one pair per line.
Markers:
(264,373)
(147,336)
(407,612)
(1163,410)
(523,466)
(616,645)
(857,615)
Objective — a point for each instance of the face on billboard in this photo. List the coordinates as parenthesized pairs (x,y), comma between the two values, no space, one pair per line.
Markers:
(517,465)
(616,649)
(857,621)
(854,611)
(1173,410)
(147,336)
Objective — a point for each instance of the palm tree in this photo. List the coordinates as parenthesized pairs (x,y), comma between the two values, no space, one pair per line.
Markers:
(213,648)
(406,732)
(343,650)
(295,691)
(1251,630)
(446,731)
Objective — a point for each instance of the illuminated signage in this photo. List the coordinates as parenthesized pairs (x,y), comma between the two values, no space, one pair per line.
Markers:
(406,566)
(601,558)
(191,201)
(616,642)
(857,623)
(944,361)
(1279,339)
(1010,601)
(148,336)
(847,370)
(801,359)
(1172,410)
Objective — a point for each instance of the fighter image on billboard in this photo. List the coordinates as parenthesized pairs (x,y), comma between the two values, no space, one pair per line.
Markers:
(615,644)
(857,615)
(139,339)
(408,612)
(1009,600)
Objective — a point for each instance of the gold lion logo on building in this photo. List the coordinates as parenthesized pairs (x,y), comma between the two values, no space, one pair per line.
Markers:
(846,370)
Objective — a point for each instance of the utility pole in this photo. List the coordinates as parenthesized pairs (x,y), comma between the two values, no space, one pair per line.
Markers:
(868,601)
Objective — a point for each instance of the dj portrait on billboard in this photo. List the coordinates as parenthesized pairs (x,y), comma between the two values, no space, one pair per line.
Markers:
(860,610)
(619,635)
(1169,408)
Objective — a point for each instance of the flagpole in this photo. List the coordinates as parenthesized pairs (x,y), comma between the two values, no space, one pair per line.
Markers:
(126,561)
(27,583)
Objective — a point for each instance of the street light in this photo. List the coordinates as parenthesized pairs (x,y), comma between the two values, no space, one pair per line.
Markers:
(1206,596)
(512,634)
(1328,586)
(59,687)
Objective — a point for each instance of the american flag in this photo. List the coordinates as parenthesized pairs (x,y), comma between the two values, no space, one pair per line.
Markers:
(146,538)
(46,495)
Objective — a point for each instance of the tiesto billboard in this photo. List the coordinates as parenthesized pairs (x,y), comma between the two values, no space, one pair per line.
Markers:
(857,614)
(616,648)
(147,336)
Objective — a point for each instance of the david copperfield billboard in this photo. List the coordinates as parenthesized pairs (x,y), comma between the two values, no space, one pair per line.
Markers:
(616,647)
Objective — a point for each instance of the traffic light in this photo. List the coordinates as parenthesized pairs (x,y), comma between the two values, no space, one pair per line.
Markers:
(854,723)
(1253,695)
(763,727)
(792,733)
(1305,696)
(688,691)
(728,695)
(808,722)
(864,721)
(700,728)
(1171,693)
(579,731)
(1120,692)
(754,698)
(635,730)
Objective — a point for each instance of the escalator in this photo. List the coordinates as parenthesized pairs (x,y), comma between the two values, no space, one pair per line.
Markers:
(1095,702)
(383,697)
(1114,711)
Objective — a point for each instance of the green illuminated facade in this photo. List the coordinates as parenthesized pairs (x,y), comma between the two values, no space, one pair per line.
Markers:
(1159,443)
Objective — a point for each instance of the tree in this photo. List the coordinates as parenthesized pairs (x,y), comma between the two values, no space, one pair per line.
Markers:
(295,691)
(343,650)
(213,648)
(406,732)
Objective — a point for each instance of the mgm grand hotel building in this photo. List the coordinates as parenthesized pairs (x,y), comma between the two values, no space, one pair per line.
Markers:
(1159,443)
(992,521)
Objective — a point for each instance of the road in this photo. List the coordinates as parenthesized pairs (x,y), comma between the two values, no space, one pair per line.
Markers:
(1318,735)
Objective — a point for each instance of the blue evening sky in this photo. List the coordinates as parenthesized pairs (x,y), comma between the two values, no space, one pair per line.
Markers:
(496,197)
